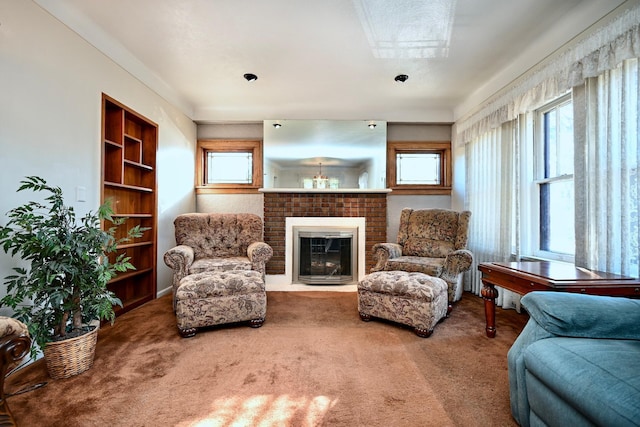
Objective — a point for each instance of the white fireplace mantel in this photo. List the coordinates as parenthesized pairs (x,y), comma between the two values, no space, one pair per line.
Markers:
(277,282)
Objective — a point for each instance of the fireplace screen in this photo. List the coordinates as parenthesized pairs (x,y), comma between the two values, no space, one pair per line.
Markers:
(324,257)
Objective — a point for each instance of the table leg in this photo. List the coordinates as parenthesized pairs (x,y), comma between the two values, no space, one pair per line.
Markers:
(489,294)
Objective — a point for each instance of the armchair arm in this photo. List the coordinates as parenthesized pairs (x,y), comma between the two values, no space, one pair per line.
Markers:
(13,348)
(14,345)
(455,263)
(179,258)
(259,253)
(382,252)
(584,316)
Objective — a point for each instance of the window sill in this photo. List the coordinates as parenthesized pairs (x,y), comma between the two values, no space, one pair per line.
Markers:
(446,191)
(227,190)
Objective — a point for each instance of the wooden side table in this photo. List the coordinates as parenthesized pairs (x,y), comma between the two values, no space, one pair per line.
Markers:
(525,277)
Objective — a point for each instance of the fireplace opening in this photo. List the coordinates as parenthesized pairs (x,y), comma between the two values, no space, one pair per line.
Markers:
(324,256)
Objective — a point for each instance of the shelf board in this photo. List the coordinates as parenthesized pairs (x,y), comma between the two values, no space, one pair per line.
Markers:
(130,274)
(128,187)
(112,143)
(132,215)
(138,165)
(134,245)
(132,138)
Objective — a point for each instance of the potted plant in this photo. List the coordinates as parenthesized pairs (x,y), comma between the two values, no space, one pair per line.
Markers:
(62,296)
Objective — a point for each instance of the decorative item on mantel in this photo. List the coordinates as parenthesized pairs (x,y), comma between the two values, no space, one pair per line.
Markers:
(320,181)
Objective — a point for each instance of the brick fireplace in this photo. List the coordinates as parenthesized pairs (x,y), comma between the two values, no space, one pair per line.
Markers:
(278,205)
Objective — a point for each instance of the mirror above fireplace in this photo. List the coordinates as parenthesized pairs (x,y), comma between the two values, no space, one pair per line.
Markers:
(325,154)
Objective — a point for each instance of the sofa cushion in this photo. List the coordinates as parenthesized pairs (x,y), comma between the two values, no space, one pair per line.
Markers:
(599,378)
(432,232)
(427,247)
(405,284)
(430,266)
(220,264)
(218,235)
(220,284)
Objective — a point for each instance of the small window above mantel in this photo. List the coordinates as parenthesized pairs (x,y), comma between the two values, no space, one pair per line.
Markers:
(229,166)
(419,167)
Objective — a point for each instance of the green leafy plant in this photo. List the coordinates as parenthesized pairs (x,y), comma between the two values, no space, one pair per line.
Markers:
(65,286)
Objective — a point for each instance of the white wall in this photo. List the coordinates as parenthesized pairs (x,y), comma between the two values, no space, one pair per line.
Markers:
(50,120)
(231,203)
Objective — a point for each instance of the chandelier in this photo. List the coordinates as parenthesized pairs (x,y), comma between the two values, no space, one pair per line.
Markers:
(320,181)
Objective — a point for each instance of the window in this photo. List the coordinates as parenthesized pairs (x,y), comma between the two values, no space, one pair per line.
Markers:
(229,166)
(419,167)
(554,180)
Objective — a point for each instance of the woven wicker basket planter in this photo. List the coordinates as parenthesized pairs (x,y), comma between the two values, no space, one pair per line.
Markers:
(72,356)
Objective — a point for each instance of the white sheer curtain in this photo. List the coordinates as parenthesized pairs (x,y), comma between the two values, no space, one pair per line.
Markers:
(606,126)
(492,197)
(607,157)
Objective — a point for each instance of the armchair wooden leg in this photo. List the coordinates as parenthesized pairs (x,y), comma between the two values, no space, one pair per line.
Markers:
(423,333)
(187,332)
(256,323)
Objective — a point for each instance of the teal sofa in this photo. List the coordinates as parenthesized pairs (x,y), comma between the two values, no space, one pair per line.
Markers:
(577,361)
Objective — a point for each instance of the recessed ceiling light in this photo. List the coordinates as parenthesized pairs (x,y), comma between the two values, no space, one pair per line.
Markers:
(250,77)
(401,78)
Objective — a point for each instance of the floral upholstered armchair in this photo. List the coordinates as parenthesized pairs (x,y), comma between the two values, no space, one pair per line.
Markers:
(217,242)
(430,241)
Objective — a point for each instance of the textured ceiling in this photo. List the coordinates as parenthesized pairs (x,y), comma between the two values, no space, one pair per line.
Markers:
(328,59)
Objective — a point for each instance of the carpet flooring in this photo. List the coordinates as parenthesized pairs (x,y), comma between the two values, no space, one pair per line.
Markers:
(312,363)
